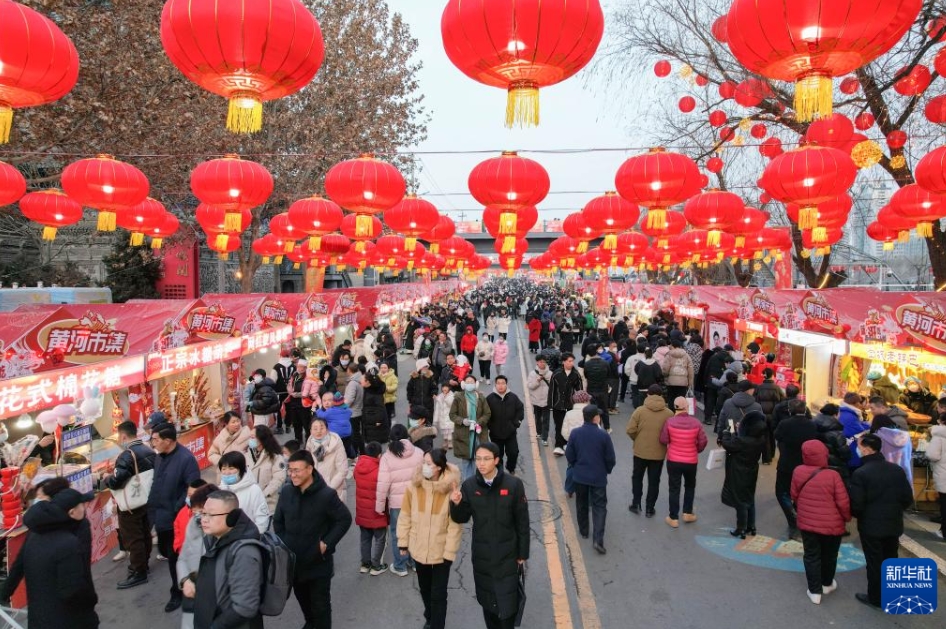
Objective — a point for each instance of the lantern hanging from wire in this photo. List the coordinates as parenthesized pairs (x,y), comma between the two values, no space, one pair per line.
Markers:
(12,184)
(809,175)
(105,184)
(167,228)
(52,209)
(714,211)
(140,219)
(658,180)
(412,217)
(232,184)
(509,182)
(365,186)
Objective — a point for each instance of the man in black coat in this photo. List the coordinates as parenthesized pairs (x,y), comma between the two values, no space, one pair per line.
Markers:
(880,493)
(133,525)
(565,381)
(506,413)
(790,435)
(715,367)
(496,501)
(311,520)
(598,373)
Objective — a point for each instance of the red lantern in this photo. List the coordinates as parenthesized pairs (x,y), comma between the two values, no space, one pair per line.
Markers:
(576,226)
(920,205)
(821,239)
(509,182)
(896,139)
(315,217)
(442,231)
(662,68)
(864,121)
(717,118)
(38,63)
(658,180)
(930,172)
(809,175)
(900,224)
(519,246)
(51,208)
(222,244)
(521,45)
(936,29)
(727,89)
(353,227)
(810,41)
(494,221)
(105,184)
(270,248)
(281,227)
(248,52)
(850,85)
(912,82)
(939,62)
(412,217)
(834,131)
(771,148)
(213,220)
(718,29)
(12,184)
(610,215)
(390,247)
(830,213)
(358,259)
(714,165)
(715,211)
(752,221)
(334,244)
(365,186)
(880,233)
(168,227)
(701,80)
(935,109)
(687,104)
(631,244)
(141,218)
(726,134)
(232,184)
(299,255)
(674,224)
(751,92)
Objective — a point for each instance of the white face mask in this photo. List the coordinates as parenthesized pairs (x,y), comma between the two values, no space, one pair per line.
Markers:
(428,471)
(469,386)
(257,379)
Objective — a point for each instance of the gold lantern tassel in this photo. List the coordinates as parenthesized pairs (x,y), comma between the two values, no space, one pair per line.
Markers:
(435,274)
(509,244)
(410,265)
(582,247)
(511,272)
(778,256)
(435,247)
(233,222)
(610,242)
(814,97)
(808,218)
(805,253)
(522,105)
(924,229)
(277,259)
(6,122)
(342,268)
(222,241)
(410,244)
(360,246)
(767,259)
(757,255)
(266,260)
(740,241)
(888,246)
(364,227)
(106,222)
(289,246)
(657,219)
(391,262)
(819,234)
(712,238)
(296,265)
(507,223)
(156,242)
(903,236)
(137,239)
(49,233)
(757,266)
(734,259)
(315,242)
(459,265)
(245,114)
(223,256)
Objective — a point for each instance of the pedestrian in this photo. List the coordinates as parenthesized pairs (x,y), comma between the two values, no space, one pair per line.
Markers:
(375,421)
(851,417)
(329,455)
(234,437)
(174,469)
(297,415)
(936,453)
(190,547)
(719,359)
(538,384)
(420,428)
(563,385)
(426,532)
(535,332)
(590,454)
(644,428)
(389,378)
(823,507)
(831,434)
(422,387)
(133,525)
(678,371)
(235,479)
(355,400)
(637,355)
(484,354)
(311,520)
(790,435)
(744,446)
(229,583)
(684,437)
(395,473)
(496,502)
(470,416)
(500,354)
(897,444)
(649,372)
(264,400)
(738,406)
(373,525)
(506,413)
(337,418)
(442,403)
(468,344)
(768,395)
(880,493)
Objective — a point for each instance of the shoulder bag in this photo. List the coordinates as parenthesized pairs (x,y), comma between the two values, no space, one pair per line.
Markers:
(135,492)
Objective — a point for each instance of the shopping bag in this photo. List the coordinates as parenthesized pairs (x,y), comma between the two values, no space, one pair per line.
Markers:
(522,595)
(691,403)
(716,459)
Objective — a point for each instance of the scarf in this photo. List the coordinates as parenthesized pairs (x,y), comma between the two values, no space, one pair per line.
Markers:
(471,400)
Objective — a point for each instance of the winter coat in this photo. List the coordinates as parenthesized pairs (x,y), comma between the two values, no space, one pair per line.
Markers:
(374,418)
(423,437)
(735,409)
(781,412)
(311,388)
(191,550)
(684,437)
(629,367)
(573,419)
(505,414)
(831,434)
(173,472)
(790,435)
(743,450)
(252,500)
(768,394)
(500,352)
(180,527)
(501,536)
(660,354)
(936,453)
(538,385)
(590,454)
(897,448)
(421,390)
(461,433)
(649,372)
(695,352)
(922,402)
(337,418)
(366,493)
(305,518)
(597,373)
(886,389)
(716,365)
(229,581)
(899,416)
(137,453)
(645,426)
(724,394)
(265,400)
(484,350)
(820,497)
(561,388)
(535,330)
(442,404)
(270,472)
(225,442)
(334,464)
(851,419)
(355,395)
(678,368)
(502,325)
(880,493)
(390,386)
(395,474)
(57,569)
(424,526)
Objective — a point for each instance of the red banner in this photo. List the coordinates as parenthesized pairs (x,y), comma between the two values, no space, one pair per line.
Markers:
(198,441)
(172,361)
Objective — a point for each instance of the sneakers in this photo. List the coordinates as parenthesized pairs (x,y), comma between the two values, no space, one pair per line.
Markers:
(376,570)
(814,598)
(400,573)
(488,381)
(939,534)
(674,524)
(689,518)
(599,548)
(827,589)
(558,452)
(545,444)
(161,557)
(365,567)
(120,555)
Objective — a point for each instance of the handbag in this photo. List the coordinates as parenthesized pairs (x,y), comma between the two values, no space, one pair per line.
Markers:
(717,459)
(691,403)
(522,595)
(135,492)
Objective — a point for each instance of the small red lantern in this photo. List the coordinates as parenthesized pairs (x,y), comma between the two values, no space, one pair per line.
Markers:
(315,217)
(718,29)
(365,186)
(880,233)
(610,215)
(714,165)
(519,246)
(714,211)
(105,184)
(662,68)
(232,184)
(758,131)
(658,180)
(701,81)
(576,226)
(168,227)
(935,109)
(912,82)
(896,139)
(498,227)
(412,217)
(12,184)
(717,118)
(771,148)
(850,85)
(864,121)
(674,224)
(213,220)
(141,218)
(727,89)
(751,92)
(282,228)
(930,172)
(52,209)
(353,226)
(509,182)
(891,220)
(687,104)
(920,205)
(269,248)
(809,175)
(752,221)
(444,229)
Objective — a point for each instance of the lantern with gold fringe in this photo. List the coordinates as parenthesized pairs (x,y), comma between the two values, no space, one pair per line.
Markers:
(412,218)
(105,184)
(888,218)
(519,246)
(885,235)
(12,184)
(141,218)
(52,209)
(524,220)
(658,180)
(213,220)
(610,215)
(281,227)
(269,248)
(315,217)
(714,211)
(673,224)
(809,176)
(920,205)
(444,229)
(222,244)
(232,184)
(167,228)
(576,226)
(509,183)
(365,186)
(353,227)
(751,221)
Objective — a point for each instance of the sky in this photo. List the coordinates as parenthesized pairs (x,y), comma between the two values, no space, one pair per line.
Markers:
(469,116)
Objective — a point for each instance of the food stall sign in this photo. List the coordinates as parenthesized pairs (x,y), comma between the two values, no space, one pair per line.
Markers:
(81,480)
(76,438)
(918,359)
(349,318)
(313,326)
(180,359)
(691,312)
(809,339)
(746,325)
(45,390)
(266,338)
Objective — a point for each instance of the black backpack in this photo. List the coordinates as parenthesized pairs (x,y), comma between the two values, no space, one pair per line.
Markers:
(282,377)
(279,564)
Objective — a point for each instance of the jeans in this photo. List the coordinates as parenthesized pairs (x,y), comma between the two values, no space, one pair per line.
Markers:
(467,469)
(432,581)
(821,559)
(597,499)
(357,436)
(783,486)
(500,368)
(166,548)
(709,401)
(495,622)
(600,399)
(484,368)
(876,550)
(559,417)
(135,535)
(315,600)
(541,421)
(745,517)
(675,473)
(625,382)
(372,545)
(400,560)
(508,450)
(653,469)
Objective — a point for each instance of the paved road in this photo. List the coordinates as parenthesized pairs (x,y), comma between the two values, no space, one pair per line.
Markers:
(652,576)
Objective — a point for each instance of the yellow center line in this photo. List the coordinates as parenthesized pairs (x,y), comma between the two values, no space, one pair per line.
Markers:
(560,604)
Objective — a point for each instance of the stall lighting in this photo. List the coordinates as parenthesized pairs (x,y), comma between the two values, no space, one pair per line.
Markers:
(306,338)
(263,350)
(25,421)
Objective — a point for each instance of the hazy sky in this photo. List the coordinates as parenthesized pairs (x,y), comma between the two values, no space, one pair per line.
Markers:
(469,116)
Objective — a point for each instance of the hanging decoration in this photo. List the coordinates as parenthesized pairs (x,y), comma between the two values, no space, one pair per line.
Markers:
(365,186)
(920,205)
(315,217)
(232,184)
(510,183)
(106,185)
(809,175)
(353,227)
(658,180)
(282,228)
(444,230)
(12,184)
(610,215)
(498,226)
(167,228)
(52,209)
(141,218)
(412,217)
(576,226)
(213,220)
(714,211)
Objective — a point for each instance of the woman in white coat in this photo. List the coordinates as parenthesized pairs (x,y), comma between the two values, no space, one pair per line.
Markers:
(267,463)
(936,453)
(236,478)
(331,461)
(484,355)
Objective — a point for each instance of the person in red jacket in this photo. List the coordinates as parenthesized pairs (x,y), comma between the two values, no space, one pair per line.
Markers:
(468,344)
(373,525)
(684,437)
(823,508)
(535,332)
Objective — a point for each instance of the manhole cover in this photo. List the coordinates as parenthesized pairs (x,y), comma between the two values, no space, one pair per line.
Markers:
(543,511)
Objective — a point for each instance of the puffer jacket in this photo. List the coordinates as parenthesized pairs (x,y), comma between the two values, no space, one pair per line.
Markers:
(390,386)
(334,464)
(137,453)
(312,384)
(500,352)
(936,452)
(852,420)
(678,368)
(684,437)
(337,418)
(424,526)
(768,394)
(366,493)
(538,384)
(395,474)
(484,350)
(225,442)
(645,427)
(252,501)
(270,472)
(596,374)
(648,372)
(462,440)
(735,409)
(831,434)
(573,419)
(821,500)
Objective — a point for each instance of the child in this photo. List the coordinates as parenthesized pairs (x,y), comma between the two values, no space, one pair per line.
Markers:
(461,368)
(442,404)
(184,515)
(419,428)
(500,353)
(373,525)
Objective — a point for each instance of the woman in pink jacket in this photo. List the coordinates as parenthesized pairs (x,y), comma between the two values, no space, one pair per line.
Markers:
(310,388)
(397,469)
(500,354)
(684,437)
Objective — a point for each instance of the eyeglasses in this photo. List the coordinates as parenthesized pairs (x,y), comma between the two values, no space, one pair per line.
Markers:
(213,515)
(295,471)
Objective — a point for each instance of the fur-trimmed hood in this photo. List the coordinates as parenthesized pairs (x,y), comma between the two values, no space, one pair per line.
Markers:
(442,485)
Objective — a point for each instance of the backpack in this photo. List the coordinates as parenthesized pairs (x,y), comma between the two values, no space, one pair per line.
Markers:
(279,565)
(282,377)
(265,401)
(679,368)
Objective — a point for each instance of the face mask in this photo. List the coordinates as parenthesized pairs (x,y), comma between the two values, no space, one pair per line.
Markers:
(253,443)
(428,471)
(861,453)
(913,388)
(412,423)
(230,479)
(123,446)
(257,379)
(187,501)
(469,386)
(343,363)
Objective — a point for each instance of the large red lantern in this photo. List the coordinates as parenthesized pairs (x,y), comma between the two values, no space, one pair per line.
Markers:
(521,45)
(213,220)
(810,41)
(714,211)
(930,172)
(610,215)
(168,227)
(658,180)
(141,218)
(281,227)
(315,217)
(576,226)
(12,184)
(412,217)
(920,205)
(246,51)
(38,63)
(52,209)
(105,184)
(913,82)
(880,233)
(519,246)
(444,229)
(269,248)
(499,226)
(834,131)
(353,227)
(365,186)
(673,224)
(752,221)
(232,184)
(509,182)
(222,244)
(887,217)
(809,175)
